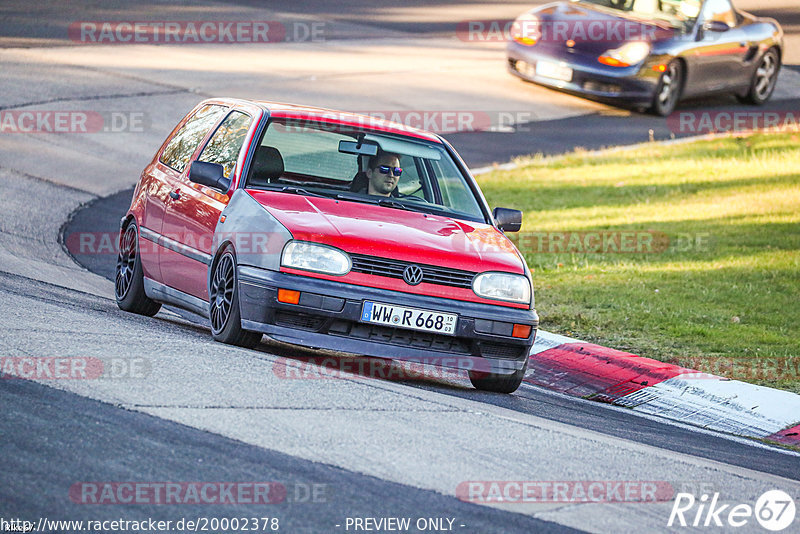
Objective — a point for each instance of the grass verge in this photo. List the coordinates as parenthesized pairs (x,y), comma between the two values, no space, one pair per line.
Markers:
(688,253)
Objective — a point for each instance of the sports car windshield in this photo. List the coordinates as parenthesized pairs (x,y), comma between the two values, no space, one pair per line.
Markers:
(677,13)
(364,166)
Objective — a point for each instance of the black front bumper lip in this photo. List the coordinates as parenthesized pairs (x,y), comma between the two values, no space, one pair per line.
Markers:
(258,303)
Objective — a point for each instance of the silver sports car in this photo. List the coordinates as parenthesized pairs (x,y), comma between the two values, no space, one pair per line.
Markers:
(648,54)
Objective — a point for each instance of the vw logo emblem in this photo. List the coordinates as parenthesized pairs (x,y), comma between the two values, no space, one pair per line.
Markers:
(412,275)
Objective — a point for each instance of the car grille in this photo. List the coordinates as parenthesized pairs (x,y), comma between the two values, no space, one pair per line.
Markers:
(501,352)
(298,320)
(394,269)
(399,337)
(591,85)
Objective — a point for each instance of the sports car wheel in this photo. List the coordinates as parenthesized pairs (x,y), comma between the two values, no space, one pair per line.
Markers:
(226,319)
(129,278)
(668,90)
(764,79)
(498,383)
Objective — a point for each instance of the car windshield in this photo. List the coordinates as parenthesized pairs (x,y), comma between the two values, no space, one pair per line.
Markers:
(677,13)
(358,165)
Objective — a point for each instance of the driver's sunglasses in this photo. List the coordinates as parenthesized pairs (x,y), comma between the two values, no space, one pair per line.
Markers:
(385,169)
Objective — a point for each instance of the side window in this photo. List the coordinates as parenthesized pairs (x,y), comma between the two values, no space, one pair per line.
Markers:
(181,147)
(719,10)
(227,141)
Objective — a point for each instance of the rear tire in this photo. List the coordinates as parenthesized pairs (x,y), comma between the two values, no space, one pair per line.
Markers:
(129,277)
(669,89)
(764,79)
(223,297)
(498,383)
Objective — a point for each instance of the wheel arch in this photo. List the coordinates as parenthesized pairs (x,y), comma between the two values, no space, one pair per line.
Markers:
(223,246)
(126,220)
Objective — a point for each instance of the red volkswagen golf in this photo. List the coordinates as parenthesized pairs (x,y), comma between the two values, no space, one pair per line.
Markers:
(329,230)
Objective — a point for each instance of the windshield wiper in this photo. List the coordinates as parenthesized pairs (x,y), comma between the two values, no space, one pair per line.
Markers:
(386,202)
(389,203)
(300,191)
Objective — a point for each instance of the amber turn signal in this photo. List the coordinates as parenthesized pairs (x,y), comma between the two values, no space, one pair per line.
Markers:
(288,296)
(612,61)
(521,331)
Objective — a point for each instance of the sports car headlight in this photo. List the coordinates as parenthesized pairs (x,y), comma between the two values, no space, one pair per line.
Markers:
(503,286)
(626,55)
(315,258)
(525,30)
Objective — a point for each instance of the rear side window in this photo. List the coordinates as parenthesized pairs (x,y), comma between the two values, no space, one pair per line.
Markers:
(183,144)
(227,141)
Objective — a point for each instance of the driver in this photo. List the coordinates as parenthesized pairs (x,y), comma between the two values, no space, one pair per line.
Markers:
(383,173)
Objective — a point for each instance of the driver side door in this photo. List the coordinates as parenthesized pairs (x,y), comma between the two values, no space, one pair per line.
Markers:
(192,217)
(719,56)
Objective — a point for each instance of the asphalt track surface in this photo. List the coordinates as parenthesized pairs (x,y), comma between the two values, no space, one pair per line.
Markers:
(207,412)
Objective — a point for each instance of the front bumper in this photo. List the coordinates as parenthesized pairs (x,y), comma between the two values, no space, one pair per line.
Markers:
(328,317)
(634,85)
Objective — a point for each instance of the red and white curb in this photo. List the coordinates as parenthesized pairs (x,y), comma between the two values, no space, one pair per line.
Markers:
(648,386)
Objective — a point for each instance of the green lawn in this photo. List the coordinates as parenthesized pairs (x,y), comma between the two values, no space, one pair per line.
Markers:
(721,295)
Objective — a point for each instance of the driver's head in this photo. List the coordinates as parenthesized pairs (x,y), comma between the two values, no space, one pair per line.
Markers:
(383,172)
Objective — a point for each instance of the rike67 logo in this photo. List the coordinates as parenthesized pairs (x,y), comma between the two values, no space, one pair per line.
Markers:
(774,510)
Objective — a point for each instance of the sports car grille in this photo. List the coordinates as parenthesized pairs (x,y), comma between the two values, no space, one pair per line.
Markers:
(591,85)
(394,269)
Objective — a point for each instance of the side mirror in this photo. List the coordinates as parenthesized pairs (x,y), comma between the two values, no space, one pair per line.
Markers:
(508,220)
(715,26)
(209,174)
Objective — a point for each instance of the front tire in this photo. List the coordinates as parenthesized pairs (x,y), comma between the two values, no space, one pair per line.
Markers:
(226,318)
(669,89)
(129,276)
(498,383)
(764,79)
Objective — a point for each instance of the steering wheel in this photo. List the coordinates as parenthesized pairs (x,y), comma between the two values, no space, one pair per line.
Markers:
(412,196)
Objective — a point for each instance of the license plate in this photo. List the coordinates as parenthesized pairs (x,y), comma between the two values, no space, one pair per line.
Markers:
(554,71)
(410,318)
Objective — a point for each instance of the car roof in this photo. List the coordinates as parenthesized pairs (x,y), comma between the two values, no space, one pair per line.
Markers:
(294,111)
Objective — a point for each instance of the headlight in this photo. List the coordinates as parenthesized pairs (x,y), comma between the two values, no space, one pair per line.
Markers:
(626,55)
(503,286)
(315,258)
(525,30)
